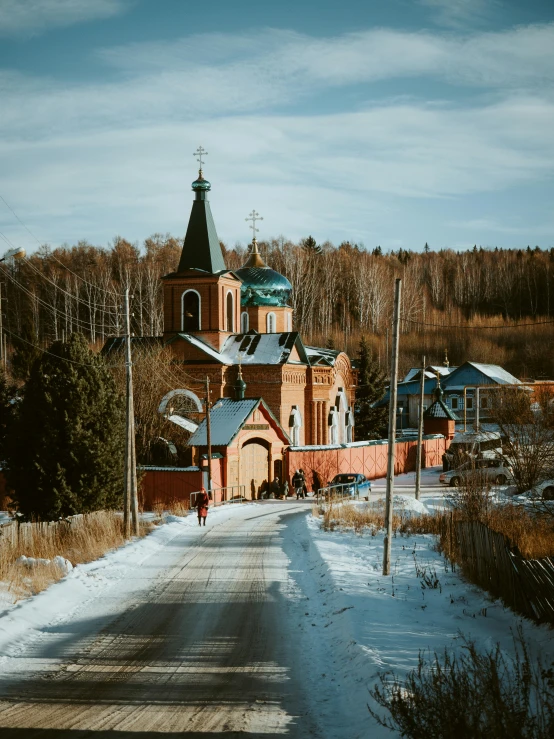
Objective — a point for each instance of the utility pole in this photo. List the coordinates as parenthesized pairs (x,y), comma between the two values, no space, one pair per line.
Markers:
(130,506)
(392,427)
(209,435)
(420,431)
(2,357)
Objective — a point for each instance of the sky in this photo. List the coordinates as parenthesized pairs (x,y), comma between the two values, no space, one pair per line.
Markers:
(382,123)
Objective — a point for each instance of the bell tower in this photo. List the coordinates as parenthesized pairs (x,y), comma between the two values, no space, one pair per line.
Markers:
(202,297)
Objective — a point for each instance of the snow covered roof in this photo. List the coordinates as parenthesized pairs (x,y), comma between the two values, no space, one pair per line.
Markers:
(430,371)
(318,355)
(496,373)
(470,373)
(255,348)
(227,417)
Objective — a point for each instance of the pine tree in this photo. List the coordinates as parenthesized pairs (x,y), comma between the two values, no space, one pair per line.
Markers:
(370,423)
(65,453)
(7,408)
(310,245)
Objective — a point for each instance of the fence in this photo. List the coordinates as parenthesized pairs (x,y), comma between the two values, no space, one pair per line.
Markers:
(16,534)
(370,458)
(338,493)
(232,494)
(526,585)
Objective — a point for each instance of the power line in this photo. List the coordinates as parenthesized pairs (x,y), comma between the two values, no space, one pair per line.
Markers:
(57,356)
(475,328)
(96,287)
(87,324)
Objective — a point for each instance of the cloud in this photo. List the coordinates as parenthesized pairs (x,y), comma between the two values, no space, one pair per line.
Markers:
(30,17)
(97,158)
(511,58)
(457,13)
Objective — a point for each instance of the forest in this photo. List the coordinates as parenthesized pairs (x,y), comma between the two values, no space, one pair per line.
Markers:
(483,305)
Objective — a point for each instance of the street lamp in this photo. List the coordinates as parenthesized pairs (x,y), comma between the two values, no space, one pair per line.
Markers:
(17,252)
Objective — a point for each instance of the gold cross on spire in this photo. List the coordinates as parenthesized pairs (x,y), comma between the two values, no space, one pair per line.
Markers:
(199,153)
(254,216)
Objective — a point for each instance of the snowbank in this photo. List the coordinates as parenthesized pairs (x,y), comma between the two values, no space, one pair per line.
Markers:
(358,623)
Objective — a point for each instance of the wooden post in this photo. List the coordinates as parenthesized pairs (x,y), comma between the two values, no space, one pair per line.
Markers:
(392,427)
(420,431)
(128,424)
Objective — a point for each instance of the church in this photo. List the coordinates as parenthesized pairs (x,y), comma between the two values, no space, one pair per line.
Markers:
(238,326)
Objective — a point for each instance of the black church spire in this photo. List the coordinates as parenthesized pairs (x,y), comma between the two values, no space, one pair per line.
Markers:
(201,249)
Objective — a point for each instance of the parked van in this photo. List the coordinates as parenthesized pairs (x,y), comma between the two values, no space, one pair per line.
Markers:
(470,445)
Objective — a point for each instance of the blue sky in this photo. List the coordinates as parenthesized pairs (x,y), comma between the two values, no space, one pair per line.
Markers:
(391,123)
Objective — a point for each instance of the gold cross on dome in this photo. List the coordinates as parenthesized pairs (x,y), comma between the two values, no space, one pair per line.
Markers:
(254,216)
(199,153)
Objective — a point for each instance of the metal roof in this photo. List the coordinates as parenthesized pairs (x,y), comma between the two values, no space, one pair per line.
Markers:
(254,348)
(319,355)
(430,371)
(263,286)
(201,248)
(493,372)
(440,410)
(227,417)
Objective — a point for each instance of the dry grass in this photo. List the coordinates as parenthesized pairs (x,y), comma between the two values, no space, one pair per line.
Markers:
(80,540)
(175,507)
(533,535)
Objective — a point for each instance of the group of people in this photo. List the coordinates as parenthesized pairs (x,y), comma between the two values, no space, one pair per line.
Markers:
(275,491)
(299,484)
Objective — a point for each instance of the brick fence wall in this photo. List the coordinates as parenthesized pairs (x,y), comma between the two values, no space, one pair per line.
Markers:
(369,459)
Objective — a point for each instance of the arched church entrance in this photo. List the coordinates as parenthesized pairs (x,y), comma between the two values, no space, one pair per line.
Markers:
(254,466)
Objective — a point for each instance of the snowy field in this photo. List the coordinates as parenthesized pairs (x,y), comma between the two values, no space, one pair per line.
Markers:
(374,623)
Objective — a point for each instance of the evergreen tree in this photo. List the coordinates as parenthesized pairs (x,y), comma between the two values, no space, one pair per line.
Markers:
(370,423)
(330,343)
(65,453)
(7,397)
(311,246)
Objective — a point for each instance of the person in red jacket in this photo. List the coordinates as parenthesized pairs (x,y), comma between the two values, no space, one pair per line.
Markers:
(202,503)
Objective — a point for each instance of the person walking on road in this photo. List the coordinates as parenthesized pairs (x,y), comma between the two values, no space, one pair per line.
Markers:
(202,504)
(298,484)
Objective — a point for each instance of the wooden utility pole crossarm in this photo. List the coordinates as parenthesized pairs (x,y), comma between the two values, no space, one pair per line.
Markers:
(392,428)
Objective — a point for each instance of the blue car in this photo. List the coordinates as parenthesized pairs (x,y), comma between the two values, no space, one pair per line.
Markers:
(352,480)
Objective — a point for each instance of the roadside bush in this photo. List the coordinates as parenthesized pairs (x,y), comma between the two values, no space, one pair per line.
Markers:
(482,695)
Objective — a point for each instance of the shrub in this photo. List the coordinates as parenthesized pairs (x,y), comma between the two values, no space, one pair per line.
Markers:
(482,695)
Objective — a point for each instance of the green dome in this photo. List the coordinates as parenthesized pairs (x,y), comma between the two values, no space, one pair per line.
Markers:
(263,286)
(201,184)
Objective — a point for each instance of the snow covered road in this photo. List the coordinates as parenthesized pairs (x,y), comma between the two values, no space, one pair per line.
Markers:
(193,635)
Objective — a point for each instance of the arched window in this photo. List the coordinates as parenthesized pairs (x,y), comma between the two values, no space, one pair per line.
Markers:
(244,322)
(271,323)
(190,311)
(349,425)
(295,424)
(230,313)
(333,422)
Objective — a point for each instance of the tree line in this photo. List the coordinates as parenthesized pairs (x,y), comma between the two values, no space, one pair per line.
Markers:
(450,298)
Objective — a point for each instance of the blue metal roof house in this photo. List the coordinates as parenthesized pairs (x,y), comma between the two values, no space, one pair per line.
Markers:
(468,376)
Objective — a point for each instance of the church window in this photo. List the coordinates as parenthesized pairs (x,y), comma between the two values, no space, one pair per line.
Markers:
(230,313)
(289,322)
(271,321)
(295,424)
(190,311)
(244,322)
